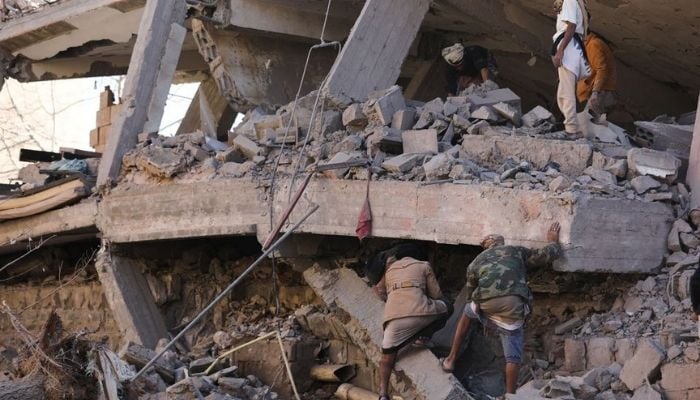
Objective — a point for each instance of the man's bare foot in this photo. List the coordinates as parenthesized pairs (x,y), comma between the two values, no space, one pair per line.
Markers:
(446,366)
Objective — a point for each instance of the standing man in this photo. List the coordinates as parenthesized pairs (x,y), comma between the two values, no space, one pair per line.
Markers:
(569,57)
(471,65)
(598,89)
(415,307)
(499,298)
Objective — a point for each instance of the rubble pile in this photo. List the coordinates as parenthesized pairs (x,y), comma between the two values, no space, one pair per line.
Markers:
(645,347)
(10,9)
(478,138)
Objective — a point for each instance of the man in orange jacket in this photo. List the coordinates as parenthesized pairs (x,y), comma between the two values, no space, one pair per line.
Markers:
(598,89)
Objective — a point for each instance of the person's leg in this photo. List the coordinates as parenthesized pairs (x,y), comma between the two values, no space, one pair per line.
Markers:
(566,98)
(386,364)
(438,323)
(513,343)
(460,334)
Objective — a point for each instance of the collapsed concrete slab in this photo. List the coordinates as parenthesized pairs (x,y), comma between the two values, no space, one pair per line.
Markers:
(420,376)
(598,234)
(573,157)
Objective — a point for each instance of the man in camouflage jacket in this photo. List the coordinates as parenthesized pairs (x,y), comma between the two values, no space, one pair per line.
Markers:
(499,297)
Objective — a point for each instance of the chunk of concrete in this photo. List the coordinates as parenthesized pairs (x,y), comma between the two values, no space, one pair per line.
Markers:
(403,119)
(601,176)
(478,128)
(438,167)
(600,352)
(246,146)
(646,393)
(644,366)
(360,311)
(507,112)
(655,163)
(559,184)
(642,184)
(353,116)
(340,159)
(680,380)
(161,162)
(485,113)
(420,141)
(536,117)
(388,104)
(574,355)
(402,163)
(572,157)
(493,97)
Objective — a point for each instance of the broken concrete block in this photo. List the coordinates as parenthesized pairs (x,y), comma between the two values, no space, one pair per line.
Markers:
(559,184)
(478,128)
(196,151)
(436,106)
(353,116)
(507,112)
(495,96)
(361,313)
(425,119)
(235,170)
(600,352)
(646,393)
(655,163)
(689,240)
(642,184)
(230,155)
(403,119)
(438,167)
(643,366)
(31,174)
(420,141)
(384,139)
(536,117)
(681,381)
(348,144)
(601,176)
(246,146)
(460,123)
(161,162)
(624,350)
(340,159)
(330,121)
(402,163)
(388,104)
(572,157)
(617,167)
(485,113)
(574,355)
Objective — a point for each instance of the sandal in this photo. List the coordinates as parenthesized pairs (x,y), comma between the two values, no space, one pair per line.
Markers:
(442,365)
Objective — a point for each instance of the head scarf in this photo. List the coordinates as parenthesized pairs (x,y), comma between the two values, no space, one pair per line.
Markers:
(453,54)
(497,239)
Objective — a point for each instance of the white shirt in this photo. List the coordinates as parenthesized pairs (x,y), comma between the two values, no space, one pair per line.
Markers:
(570,12)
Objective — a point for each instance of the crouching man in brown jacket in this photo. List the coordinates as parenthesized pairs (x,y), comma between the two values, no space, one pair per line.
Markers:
(415,307)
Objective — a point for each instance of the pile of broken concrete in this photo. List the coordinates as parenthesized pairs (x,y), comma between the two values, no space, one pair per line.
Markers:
(646,346)
(479,138)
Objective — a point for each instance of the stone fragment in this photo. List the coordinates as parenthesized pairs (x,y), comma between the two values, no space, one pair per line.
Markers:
(353,116)
(679,380)
(600,352)
(601,175)
(556,389)
(485,113)
(230,155)
(403,119)
(161,162)
(235,170)
(599,377)
(460,123)
(690,240)
(673,352)
(695,217)
(388,104)
(643,366)
(507,112)
(663,196)
(197,152)
(201,364)
(642,184)
(246,146)
(348,144)
(340,158)
(233,386)
(574,355)
(691,353)
(222,339)
(646,393)
(31,174)
(568,326)
(493,97)
(559,184)
(420,141)
(402,163)
(654,163)
(478,128)
(438,167)
(537,116)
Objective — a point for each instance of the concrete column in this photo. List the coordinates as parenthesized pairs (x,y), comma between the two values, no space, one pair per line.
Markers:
(693,178)
(130,298)
(148,79)
(209,111)
(377,46)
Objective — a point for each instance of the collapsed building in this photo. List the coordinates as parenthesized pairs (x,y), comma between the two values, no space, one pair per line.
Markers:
(342,107)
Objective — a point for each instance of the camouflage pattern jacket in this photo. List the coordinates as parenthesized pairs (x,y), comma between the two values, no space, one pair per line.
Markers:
(502,271)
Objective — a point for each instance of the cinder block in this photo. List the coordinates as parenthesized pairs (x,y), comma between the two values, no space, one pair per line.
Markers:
(103,134)
(114,112)
(420,141)
(494,97)
(106,98)
(246,146)
(403,119)
(104,117)
(94,137)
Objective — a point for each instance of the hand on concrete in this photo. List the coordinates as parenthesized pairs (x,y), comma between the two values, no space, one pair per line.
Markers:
(553,233)
(557,59)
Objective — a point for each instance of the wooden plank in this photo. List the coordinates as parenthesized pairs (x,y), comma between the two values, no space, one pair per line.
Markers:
(376,48)
(146,69)
(64,197)
(25,200)
(29,155)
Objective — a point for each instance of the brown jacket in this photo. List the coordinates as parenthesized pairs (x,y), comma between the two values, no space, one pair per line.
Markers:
(603,71)
(411,290)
